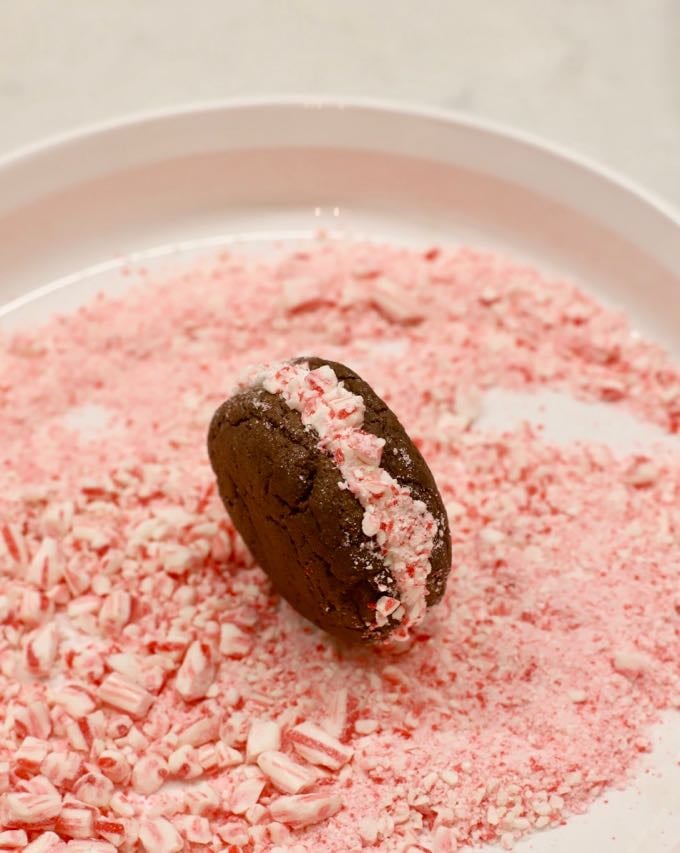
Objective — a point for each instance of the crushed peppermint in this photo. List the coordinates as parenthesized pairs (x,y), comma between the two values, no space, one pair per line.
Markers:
(402,526)
(158,696)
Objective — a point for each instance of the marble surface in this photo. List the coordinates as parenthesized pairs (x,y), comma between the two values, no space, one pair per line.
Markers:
(599,76)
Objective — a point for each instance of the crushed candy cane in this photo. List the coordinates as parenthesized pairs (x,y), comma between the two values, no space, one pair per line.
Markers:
(403,527)
(156,693)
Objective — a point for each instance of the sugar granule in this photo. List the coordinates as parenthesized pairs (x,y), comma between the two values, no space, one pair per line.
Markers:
(158,696)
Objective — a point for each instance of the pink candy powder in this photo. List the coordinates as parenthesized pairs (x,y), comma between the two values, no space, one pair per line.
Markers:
(403,527)
(158,696)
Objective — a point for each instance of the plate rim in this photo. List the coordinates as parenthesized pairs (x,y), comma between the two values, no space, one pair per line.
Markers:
(558,152)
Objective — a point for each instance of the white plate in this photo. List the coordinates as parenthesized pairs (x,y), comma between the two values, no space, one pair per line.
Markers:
(165,186)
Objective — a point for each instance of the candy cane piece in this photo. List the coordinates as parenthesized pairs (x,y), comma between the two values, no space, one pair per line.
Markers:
(284,773)
(121,693)
(159,834)
(318,747)
(305,809)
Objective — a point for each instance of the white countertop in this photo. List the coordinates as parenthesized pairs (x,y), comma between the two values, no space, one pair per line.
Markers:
(602,78)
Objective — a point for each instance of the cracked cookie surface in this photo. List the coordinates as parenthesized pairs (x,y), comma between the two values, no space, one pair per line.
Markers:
(282,493)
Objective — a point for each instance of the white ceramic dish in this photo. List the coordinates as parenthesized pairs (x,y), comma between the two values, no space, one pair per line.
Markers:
(163,187)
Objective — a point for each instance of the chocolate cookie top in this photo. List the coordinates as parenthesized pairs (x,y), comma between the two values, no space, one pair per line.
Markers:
(333,498)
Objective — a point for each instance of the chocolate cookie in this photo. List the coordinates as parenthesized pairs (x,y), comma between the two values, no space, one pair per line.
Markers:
(333,498)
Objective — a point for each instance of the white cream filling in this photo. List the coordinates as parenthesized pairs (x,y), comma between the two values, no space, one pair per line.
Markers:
(402,527)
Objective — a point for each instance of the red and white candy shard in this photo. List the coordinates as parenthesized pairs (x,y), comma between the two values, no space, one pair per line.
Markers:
(284,773)
(304,809)
(402,526)
(124,695)
(318,747)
